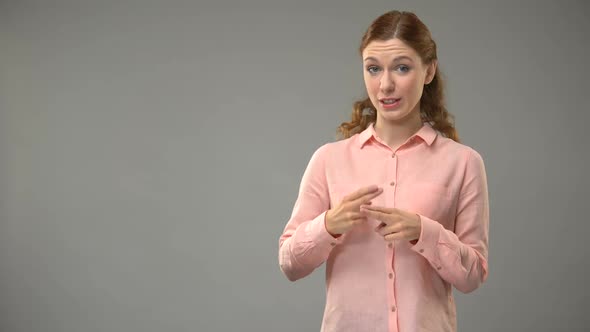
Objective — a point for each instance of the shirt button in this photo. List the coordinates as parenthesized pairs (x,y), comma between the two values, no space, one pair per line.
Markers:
(393,155)
(390,245)
(392,183)
(438,268)
(391,276)
(421,250)
(332,244)
(392,308)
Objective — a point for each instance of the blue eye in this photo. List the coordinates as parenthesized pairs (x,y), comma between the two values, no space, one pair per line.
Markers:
(403,68)
(373,69)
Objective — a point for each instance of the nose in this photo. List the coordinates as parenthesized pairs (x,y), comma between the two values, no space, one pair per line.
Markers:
(387,85)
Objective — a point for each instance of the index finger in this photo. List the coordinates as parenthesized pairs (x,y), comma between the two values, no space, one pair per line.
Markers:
(361,193)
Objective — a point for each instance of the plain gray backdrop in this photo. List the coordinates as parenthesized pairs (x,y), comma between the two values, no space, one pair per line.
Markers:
(151,153)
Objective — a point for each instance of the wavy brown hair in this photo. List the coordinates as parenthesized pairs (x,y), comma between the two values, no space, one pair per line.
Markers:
(407,27)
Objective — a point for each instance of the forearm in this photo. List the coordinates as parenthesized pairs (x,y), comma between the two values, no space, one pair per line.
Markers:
(464,265)
(306,249)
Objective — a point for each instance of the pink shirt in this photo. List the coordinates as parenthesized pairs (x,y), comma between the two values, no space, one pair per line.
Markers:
(375,286)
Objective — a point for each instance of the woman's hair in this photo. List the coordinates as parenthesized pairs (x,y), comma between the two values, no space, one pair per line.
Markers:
(408,28)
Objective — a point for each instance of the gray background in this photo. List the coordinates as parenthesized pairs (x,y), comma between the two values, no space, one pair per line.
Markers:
(151,153)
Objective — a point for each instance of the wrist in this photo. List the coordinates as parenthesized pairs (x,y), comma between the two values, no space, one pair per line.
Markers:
(326,226)
(419,230)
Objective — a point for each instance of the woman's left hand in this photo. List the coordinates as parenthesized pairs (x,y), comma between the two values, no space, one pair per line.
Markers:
(395,224)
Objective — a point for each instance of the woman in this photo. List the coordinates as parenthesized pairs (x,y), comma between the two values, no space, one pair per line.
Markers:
(398,209)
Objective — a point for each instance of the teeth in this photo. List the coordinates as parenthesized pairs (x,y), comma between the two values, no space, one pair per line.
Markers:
(389,101)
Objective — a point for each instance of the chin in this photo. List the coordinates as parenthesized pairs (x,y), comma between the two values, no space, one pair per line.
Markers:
(394,115)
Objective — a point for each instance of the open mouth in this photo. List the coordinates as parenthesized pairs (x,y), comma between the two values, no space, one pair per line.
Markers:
(390,102)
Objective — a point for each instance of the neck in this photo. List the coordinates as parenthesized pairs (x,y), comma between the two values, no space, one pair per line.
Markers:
(396,133)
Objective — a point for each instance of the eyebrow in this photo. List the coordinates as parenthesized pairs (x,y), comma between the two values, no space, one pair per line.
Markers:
(397,59)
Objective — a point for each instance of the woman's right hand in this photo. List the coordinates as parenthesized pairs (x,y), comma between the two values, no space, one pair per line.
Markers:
(346,215)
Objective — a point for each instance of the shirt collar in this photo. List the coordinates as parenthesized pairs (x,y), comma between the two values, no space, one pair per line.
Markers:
(426,133)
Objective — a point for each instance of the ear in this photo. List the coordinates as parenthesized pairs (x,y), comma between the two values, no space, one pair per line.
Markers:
(430,72)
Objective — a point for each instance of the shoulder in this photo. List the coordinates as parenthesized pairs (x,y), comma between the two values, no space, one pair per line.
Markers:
(466,157)
(335,148)
(461,150)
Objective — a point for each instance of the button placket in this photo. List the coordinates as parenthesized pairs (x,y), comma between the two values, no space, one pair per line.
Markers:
(390,181)
(392,173)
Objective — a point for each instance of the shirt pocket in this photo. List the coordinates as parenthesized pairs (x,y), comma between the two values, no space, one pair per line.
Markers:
(432,200)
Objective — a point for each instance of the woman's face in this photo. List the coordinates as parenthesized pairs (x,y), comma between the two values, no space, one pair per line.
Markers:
(394,77)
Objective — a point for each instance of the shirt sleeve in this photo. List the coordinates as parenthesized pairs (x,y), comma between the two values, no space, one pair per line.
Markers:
(305,243)
(460,257)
